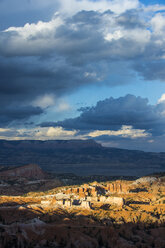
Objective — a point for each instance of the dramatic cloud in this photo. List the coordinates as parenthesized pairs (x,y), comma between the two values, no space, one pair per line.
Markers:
(51,48)
(126,122)
(113,114)
(30,83)
(114,36)
(87,47)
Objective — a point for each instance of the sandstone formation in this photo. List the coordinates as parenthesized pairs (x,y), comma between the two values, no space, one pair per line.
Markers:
(117,187)
(89,215)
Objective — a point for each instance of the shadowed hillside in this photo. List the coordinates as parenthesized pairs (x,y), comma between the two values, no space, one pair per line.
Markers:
(80,157)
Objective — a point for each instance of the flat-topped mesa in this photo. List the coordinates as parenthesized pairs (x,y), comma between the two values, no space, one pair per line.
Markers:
(30,171)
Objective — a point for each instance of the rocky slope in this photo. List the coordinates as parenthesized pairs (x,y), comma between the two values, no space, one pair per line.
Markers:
(20,180)
(38,220)
(30,171)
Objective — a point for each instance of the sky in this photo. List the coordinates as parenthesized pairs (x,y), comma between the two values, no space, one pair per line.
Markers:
(83,69)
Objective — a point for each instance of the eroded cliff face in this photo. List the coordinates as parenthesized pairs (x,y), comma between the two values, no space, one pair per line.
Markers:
(30,171)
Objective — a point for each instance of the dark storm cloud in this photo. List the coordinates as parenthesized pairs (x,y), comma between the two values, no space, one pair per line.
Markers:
(22,81)
(152,70)
(112,114)
(17,113)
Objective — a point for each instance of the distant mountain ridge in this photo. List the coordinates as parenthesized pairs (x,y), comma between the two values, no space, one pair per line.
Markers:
(49,144)
(82,157)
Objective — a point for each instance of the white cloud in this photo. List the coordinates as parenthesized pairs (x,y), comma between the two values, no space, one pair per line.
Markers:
(44,101)
(63,106)
(31,39)
(2,130)
(139,35)
(158,30)
(60,132)
(162,99)
(125,132)
(158,24)
(46,133)
(54,104)
(113,36)
(50,133)
(44,29)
